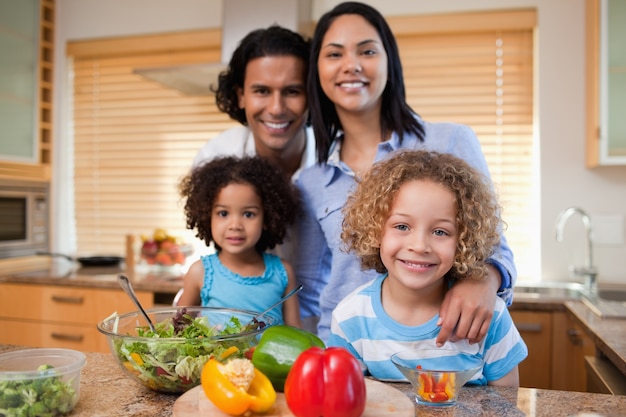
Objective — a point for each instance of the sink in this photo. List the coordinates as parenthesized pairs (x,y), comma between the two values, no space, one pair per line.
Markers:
(612,294)
(549,290)
(606,308)
(608,301)
(569,290)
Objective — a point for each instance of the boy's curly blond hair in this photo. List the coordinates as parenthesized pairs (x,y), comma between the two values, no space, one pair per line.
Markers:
(478,219)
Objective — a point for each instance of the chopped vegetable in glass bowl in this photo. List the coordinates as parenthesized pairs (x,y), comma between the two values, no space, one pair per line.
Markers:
(437,374)
(171,358)
(40,382)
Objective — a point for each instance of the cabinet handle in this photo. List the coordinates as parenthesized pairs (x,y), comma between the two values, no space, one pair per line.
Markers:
(68,300)
(529,327)
(574,337)
(70,337)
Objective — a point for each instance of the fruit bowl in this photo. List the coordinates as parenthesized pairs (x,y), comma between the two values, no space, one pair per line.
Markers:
(437,374)
(171,359)
(39,382)
(164,250)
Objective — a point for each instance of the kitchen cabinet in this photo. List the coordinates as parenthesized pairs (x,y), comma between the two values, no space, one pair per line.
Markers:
(605,82)
(570,346)
(60,316)
(26,84)
(557,347)
(536,330)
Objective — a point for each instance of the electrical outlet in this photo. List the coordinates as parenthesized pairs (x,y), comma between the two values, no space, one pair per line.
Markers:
(608,230)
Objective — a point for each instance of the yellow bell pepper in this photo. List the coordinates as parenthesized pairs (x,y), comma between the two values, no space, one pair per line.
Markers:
(229,351)
(137,358)
(232,397)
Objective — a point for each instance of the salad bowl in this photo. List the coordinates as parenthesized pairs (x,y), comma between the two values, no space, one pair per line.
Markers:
(171,358)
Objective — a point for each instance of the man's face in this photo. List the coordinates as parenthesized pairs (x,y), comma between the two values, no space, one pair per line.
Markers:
(274,100)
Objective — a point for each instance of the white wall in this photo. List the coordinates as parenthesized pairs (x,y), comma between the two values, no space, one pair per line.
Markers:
(564,180)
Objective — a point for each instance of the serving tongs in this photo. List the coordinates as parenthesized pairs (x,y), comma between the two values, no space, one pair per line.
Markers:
(254,323)
(128,289)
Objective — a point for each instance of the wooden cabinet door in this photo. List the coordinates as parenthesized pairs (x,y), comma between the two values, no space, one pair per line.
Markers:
(536,330)
(60,316)
(58,303)
(52,335)
(570,346)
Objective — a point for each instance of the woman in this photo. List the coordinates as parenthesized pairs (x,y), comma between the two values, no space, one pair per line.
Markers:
(359,115)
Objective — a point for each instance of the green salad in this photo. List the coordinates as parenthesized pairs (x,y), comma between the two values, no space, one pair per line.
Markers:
(44,397)
(175,365)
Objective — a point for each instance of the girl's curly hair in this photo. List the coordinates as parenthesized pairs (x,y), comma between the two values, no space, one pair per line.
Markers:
(278,196)
(478,214)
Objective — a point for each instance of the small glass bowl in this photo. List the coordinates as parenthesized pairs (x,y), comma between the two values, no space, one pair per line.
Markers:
(437,374)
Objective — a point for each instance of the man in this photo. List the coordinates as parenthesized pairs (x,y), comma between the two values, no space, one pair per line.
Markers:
(264,89)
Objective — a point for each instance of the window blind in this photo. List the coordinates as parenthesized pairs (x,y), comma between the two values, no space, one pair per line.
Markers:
(484,79)
(134,139)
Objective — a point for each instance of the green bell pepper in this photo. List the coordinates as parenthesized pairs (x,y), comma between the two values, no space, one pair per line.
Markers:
(278,349)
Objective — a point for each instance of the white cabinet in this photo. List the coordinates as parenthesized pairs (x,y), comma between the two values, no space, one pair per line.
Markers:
(26,84)
(606,82)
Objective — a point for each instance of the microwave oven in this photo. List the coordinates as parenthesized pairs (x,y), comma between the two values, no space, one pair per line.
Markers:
(24,218)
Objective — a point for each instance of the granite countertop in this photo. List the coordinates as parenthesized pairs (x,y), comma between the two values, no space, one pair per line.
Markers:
(608,334)
(167,281)
(106,391)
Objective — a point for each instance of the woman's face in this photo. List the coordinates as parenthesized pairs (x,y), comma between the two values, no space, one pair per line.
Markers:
(352,65)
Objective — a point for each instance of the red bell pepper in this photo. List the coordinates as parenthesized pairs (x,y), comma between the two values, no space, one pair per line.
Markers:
(325,382)
(436,390)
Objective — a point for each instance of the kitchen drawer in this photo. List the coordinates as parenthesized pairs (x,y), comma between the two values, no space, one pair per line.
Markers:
(62,304)
(27,333)
(603,377)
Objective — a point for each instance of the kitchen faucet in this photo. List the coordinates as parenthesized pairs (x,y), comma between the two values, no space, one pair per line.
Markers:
(588,271)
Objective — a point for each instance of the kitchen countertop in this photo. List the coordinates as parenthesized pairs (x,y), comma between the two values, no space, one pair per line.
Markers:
(61,273)
(609,334)
(124,397)
(106,391)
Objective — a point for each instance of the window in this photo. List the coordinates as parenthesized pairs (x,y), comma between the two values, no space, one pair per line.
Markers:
(477,69)
(135,139)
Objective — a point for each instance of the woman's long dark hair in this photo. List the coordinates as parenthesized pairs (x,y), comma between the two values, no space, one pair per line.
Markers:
(396,114)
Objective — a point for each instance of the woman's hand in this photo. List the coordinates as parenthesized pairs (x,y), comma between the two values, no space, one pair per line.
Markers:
(467,309)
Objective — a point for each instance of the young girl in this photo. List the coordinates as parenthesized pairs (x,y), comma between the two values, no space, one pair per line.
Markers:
(244,206)
(421,220)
